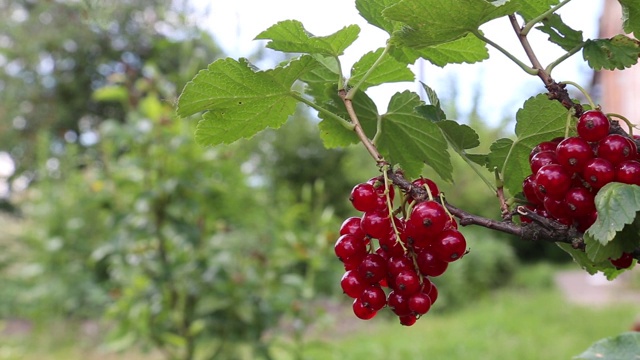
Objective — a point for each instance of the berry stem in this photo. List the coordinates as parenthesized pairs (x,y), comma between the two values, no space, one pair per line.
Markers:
(626,121)
(564,57)
(385,170)
(568,124)
(583,91)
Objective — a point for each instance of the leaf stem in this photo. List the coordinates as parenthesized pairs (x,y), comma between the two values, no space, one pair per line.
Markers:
(529,70)
(527,27)
(302,99)
(629,124)
(564,57)
(583,91)
(374,66)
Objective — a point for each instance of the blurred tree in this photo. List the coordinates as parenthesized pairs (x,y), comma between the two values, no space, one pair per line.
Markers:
(54,53)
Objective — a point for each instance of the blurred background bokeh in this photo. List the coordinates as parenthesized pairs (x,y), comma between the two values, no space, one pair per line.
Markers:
(122,239)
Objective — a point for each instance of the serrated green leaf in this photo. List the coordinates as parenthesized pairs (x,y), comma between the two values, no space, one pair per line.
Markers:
(388,70)
(468,49)
(581,258)
(433,22)
(333,134)
(531,9)
(560,33)
(460,136)
(371,10)
(480,159)
(291,36)
(240,101)
(617,205)
(409,140)
(625,240)
(625,346)
(327,72)
(432,112)
(631,16)
(540,119)
(619,52)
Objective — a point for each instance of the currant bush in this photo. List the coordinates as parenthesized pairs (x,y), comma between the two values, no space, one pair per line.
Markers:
(380,250)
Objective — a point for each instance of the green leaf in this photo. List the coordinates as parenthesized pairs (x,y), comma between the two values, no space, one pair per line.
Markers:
(116,93)
(408,139)
(291,36)
(333,134)
(460,136)
(631,16)
(559,33)
(617,205)
(581,258)
(388,70)
(625,346)
(371,10)
(239,100)
(433,22)
(540,119)
(531,9)
(434,111)
(625,241)
(468,49)
(619,52)
(327,72)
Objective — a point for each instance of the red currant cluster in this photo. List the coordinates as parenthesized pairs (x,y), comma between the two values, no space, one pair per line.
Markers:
(566,174)
(407,253)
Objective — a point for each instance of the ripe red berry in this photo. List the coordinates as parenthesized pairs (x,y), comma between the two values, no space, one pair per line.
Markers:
(553,180)
(408,320)
(428,218)
(407,282)
(628,172)
(528,189)
(421,182)
(373,268)
(351,226)
(352,284)
(398,303)
(429,264)
(573,153)
(579,202)
(375,224)
(598,172)
(593,125)
(543,146)
(362,311)
(373,297)
(364,197)
(419,303)
(557,208)
(616,149)
(541,159)
(348,247)
(623,262)
(450,246)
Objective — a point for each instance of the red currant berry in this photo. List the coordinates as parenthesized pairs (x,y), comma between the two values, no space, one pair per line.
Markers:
(398,264)
(421,182)
(352,284)
(557,208)
(583,223)
(362,311)
(428,218)
(579,201)
(623,262)
(433,294)
(374,297)
(364,197)
(349,246)
(429,264)
(628,172)
(407,283)
(598,173)
(573,153)
(553,180)
(351,226)
(398,303)
(450,246)
(419,303)
(373,268)
(408,320)
(543,146)
(528,189)
(541,159)
(378,184)
(593,125)
(390,245)
(616,149)
(375,224)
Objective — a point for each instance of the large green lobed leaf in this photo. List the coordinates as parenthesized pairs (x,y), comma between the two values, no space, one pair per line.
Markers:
(625,346)
(410,140)
(291,36)
(619,52)
(240,101)
(433,22)
(631,16)
(387,71)
(618,205)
